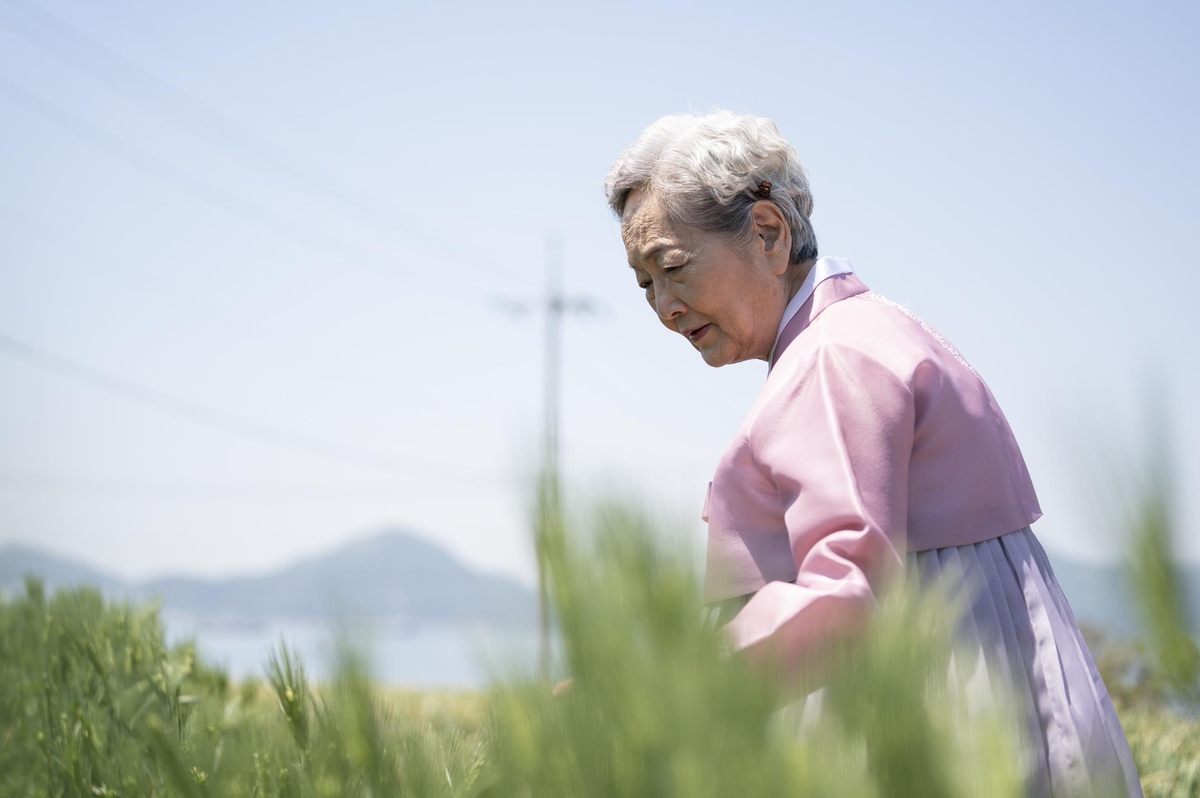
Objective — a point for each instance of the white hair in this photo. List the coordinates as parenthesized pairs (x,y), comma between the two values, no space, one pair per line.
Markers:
(706,170)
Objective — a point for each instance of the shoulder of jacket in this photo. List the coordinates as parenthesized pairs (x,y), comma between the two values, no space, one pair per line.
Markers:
(830,357)
(927,332)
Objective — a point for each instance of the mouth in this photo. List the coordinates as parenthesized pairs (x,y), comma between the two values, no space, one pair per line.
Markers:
(696,333)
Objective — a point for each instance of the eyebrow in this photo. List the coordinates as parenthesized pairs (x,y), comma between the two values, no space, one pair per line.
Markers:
(653,251)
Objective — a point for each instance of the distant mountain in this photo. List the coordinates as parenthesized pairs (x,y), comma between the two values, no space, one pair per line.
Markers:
(18,561)
(393,576)
(1101,596)
(402,579)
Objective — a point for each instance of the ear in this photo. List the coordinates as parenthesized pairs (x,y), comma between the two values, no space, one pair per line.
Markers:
(774,235)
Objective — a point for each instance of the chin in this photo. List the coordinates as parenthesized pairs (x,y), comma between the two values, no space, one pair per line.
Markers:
(714,357)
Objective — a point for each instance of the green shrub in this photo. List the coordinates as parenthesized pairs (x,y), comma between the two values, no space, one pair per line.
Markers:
(94,703)
(77,678)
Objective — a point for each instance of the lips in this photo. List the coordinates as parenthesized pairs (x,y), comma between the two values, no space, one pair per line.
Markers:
(696,333)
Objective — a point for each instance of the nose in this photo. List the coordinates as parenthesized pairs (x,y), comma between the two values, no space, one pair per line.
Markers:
(667,305)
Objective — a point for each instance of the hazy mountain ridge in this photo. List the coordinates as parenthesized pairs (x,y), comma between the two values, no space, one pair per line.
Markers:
(1100,594)
(393,576)
(16,561)
(401,578)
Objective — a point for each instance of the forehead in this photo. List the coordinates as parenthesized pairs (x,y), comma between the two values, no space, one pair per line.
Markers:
(645,222)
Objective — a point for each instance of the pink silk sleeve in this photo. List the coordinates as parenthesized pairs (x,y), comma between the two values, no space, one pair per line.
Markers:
(835,442)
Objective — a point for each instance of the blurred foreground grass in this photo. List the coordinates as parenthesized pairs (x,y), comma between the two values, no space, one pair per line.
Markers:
(93,703)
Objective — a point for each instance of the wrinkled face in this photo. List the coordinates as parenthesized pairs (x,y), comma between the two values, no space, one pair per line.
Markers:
(726,299)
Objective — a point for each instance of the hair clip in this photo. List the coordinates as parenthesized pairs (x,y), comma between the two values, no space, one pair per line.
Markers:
(763,190)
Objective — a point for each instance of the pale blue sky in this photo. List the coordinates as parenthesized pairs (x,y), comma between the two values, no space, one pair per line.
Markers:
(299,213)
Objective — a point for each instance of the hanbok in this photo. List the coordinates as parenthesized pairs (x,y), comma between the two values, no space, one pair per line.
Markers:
(873,449)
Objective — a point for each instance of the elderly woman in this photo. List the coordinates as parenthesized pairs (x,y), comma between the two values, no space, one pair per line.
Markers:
(874,445)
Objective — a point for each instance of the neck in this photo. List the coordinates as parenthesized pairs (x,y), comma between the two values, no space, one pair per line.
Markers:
(794,279)
(796,276)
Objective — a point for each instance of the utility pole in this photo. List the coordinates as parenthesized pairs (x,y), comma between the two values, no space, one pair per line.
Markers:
(552,353)
(556,306)
(549,509)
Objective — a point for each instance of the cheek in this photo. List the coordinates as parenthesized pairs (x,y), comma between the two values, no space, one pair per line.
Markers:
(700,298)
(733,323)
(739,338)
(716,291)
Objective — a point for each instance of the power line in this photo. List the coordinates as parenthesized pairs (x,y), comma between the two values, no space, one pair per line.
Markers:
(220,492)
(240,427)
(280,340)
(226,201)
(614,389)
(132,156)
(111,266)
(102,64)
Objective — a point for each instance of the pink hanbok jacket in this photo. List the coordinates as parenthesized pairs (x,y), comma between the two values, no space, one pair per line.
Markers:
(872,437)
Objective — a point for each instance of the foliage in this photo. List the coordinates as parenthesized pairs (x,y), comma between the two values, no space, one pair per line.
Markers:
(1155,576)
(1163,734)
(94,703)
(1166,747)
(76,678)
(1154,681)
(657,708)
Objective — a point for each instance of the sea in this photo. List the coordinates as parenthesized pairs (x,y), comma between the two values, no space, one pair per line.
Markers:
(425,657)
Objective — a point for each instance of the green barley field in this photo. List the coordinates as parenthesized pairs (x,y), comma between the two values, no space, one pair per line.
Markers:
(93,703)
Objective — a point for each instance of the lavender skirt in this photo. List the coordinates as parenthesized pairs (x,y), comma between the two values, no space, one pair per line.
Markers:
(1020,622)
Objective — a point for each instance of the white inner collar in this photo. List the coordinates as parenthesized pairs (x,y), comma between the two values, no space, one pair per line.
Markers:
(823,269)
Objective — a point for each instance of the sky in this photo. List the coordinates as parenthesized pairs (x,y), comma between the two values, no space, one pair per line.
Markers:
(262,264)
